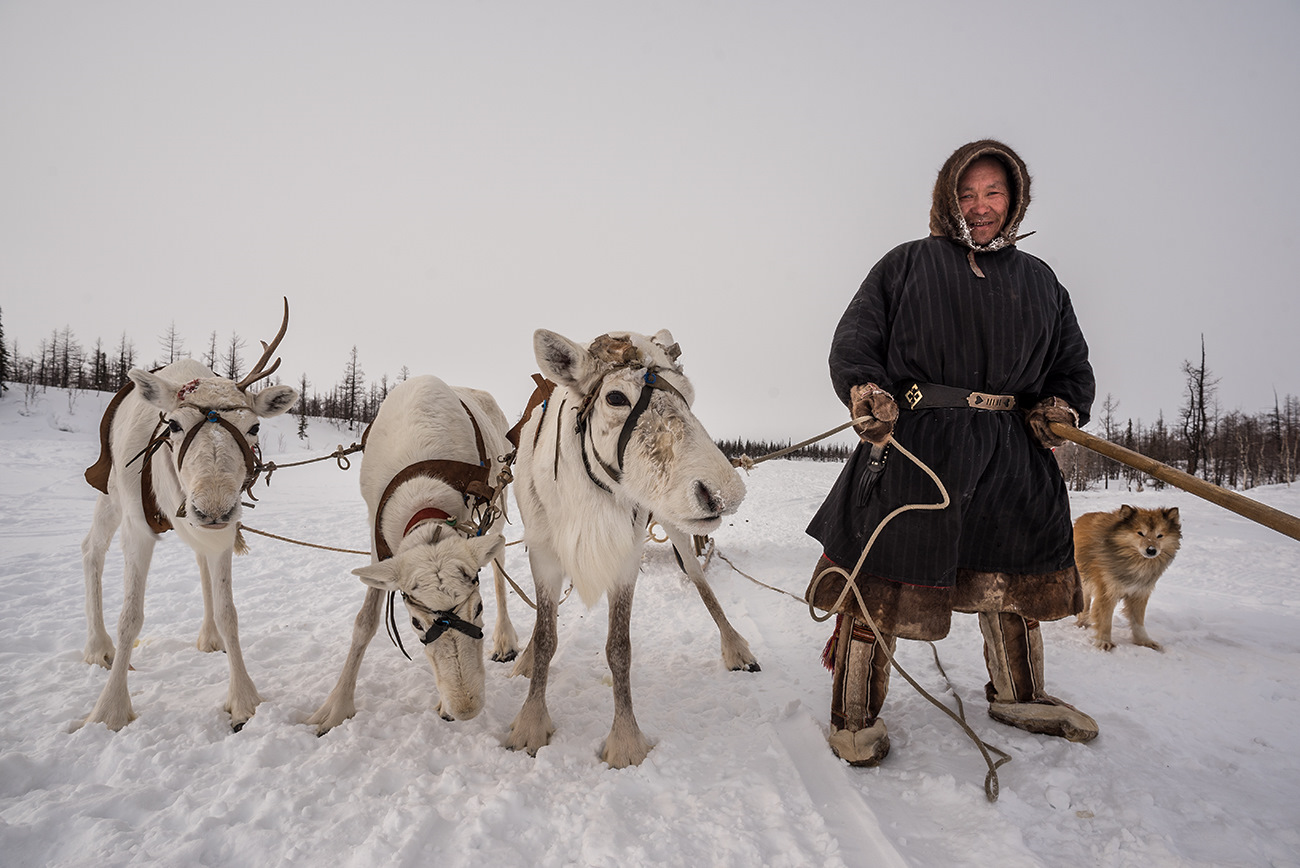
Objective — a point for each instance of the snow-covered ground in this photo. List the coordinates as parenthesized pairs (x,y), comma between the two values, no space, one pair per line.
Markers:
(1198,761)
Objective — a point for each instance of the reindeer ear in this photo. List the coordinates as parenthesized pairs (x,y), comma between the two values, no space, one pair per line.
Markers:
(487,548)
(274,400)
(155,390)
(563,361)
(384,575)
(664,338)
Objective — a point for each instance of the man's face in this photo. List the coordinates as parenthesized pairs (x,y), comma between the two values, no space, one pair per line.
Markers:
(985,198)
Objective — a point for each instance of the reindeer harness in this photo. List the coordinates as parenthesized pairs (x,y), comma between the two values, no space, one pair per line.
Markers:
(97,474)
(471,480)
(625,355)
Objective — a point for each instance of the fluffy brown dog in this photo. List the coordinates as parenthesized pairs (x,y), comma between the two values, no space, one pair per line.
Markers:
(1120,556)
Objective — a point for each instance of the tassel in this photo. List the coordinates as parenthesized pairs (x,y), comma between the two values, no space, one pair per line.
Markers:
(241,547)
(828,653)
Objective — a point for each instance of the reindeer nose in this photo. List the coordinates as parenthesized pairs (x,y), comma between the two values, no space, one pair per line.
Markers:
(710,501)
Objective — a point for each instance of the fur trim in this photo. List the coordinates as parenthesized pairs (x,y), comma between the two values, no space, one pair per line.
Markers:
(945,214)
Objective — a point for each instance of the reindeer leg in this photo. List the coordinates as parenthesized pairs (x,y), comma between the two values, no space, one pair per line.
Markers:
(532,727)
(735,649)
(625,746)
(340,705)
(94,548)
(113,708)
(505,642)
(209,635)
(242,699)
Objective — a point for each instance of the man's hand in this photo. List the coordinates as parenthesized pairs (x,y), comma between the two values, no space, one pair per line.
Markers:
(1047,411)
(870,400)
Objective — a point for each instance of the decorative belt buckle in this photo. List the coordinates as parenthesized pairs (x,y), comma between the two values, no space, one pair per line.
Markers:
(913,395)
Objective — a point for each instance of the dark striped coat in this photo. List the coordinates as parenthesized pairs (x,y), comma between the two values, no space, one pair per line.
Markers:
(923,314)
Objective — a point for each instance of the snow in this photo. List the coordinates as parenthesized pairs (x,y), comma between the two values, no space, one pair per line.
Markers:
(1198,761)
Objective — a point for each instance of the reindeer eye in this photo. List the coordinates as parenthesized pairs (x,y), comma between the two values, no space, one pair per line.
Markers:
(479,610)
(252,432)
(416,624)
(174,426)
(617,399)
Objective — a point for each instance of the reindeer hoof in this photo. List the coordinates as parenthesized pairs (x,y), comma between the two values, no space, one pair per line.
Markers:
(748,667)
(504,657)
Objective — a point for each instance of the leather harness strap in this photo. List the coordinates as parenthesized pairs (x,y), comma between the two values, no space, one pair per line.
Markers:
(469,479)
(541,395)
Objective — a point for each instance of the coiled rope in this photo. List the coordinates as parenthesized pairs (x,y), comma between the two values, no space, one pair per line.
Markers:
(991,785)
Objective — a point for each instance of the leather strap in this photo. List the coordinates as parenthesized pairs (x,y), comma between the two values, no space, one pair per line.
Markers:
(914,395)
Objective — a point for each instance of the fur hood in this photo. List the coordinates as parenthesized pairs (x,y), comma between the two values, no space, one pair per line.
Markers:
(945,213)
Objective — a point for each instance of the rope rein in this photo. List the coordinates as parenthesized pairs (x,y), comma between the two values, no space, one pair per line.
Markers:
(745,462)
(991,784)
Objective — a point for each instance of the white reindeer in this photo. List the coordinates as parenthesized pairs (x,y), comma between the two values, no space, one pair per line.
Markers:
(615,442)
(178,453)
(431,457)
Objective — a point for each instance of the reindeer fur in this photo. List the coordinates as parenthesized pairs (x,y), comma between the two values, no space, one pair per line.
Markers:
(203,501)
(574,527)
(423,419)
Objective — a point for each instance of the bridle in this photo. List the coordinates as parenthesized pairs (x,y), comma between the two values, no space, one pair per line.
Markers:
(441,621)
(652,382)
(162,437)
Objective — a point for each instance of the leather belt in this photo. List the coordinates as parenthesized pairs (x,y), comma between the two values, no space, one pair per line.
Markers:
(929,396)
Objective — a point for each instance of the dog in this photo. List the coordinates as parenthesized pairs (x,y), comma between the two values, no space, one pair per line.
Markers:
(1120,555)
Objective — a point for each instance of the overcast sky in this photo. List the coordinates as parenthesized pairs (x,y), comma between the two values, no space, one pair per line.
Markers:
(430,182)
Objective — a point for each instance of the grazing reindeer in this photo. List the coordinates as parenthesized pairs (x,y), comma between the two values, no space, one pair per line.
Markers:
(615,442)
(177,453)
(431,456)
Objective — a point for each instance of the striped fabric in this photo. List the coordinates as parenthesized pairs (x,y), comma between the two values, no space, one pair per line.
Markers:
(922,314)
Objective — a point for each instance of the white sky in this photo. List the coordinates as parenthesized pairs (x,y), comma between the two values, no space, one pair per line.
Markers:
(430,182)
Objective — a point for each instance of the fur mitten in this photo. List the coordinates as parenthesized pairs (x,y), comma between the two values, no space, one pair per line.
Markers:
(1047,411)
(869,399)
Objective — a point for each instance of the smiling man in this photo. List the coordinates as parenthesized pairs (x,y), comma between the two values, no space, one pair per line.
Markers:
(965,348)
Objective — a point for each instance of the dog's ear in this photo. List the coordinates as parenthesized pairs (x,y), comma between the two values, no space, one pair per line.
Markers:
(1172,514)
(1126,512)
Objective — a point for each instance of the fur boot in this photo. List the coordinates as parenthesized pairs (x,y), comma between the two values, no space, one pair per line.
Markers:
(1013,651)
(860,682)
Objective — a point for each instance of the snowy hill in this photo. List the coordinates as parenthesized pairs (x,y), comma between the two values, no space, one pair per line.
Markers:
(1198,761)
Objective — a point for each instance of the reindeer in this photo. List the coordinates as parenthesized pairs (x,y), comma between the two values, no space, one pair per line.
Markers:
(615,442)
(430,458)
(178,452)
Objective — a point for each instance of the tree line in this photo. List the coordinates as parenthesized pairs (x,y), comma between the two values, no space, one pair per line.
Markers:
(1231,449)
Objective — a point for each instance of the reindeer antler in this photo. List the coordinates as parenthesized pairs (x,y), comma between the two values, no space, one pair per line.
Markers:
(260,371)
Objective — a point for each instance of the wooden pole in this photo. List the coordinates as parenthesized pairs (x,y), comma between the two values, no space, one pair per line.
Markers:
(1282,522)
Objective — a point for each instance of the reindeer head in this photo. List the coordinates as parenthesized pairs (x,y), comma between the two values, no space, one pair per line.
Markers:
(436,572)
(213,423)
(638,432)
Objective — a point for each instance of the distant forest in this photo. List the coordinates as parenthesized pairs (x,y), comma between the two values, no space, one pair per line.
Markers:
(1231,449)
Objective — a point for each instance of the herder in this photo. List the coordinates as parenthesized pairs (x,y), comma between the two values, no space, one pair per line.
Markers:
(972,346)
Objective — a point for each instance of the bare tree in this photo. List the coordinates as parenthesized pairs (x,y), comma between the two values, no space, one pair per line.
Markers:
(173,346)
(210,357)
(353,382)
(125,362)
(6,374)
(1195,413)
(232,361)
(303,385)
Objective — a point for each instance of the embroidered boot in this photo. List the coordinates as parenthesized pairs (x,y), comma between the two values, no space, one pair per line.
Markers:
(859,685)
(1013,650)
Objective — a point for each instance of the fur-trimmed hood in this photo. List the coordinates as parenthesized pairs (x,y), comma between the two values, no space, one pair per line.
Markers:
(945,212)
